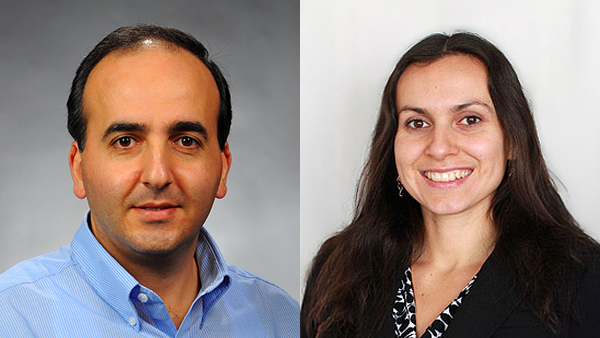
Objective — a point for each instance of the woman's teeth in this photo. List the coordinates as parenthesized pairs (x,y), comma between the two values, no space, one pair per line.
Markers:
(447,176)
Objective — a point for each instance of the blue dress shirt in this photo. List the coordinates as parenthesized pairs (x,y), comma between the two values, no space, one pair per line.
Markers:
(81,291)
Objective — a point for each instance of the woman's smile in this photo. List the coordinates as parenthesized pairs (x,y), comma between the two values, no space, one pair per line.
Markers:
(447,176)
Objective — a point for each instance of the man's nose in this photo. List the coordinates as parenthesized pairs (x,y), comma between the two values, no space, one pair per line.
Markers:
(156,171)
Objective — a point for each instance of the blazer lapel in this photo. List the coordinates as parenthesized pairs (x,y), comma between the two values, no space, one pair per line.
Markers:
(491,299)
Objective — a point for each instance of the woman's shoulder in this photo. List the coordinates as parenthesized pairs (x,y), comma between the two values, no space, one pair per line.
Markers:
(319,260)
(307,327)
(586,308)
(584,273)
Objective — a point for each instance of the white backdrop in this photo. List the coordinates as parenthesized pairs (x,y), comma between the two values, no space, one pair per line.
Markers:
(349,48)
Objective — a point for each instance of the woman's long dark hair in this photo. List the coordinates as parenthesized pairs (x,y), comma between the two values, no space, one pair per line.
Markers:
(353,275)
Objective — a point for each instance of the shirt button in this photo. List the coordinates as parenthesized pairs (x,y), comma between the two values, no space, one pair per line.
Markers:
(132,321)
(142,297)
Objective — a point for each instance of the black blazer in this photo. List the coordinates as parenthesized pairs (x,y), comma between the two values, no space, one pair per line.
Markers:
(494,309)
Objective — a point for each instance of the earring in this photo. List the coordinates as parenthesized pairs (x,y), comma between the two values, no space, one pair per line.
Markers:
(400,186)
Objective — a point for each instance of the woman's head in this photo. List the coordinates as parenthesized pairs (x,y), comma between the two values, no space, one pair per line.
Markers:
(518,154)
(449,146)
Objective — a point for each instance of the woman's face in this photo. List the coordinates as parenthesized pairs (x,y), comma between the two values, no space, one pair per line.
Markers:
(449,146)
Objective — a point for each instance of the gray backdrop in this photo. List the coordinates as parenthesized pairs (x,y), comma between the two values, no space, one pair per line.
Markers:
(256,42)
(349,48)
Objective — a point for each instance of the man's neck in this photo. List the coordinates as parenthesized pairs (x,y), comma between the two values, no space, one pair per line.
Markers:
(174,278)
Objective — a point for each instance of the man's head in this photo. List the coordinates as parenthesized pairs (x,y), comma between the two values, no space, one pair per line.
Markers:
(130,39)
(154,159)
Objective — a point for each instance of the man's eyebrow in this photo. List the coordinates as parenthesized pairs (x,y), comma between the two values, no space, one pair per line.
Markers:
(187,126)
(119,127)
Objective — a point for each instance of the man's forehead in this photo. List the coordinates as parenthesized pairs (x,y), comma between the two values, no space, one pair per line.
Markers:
(152,81)
(144,54)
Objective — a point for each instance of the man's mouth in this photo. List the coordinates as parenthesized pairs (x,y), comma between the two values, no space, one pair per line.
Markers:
(156,206)
(156,212)
(447,176)
(155,209)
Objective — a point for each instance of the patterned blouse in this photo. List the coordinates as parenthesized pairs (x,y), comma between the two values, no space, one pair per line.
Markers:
(403,311)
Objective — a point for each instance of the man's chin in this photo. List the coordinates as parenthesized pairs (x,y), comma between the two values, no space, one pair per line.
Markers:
(159,249)
(161,246)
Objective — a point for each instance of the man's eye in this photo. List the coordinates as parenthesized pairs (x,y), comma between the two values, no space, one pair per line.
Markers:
(417,124)
(470,120)
(187,141)
(124,142)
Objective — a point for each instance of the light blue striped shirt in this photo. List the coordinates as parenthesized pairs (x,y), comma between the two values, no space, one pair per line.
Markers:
(81,291)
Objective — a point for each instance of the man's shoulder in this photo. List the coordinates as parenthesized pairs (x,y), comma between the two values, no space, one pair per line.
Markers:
(260,305)
(249,279)
(251,284)
(34,270)
(244,274)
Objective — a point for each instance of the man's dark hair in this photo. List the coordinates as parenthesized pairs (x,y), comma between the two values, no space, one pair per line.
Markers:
(131,38)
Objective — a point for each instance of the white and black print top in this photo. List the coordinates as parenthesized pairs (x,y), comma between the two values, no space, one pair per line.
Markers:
(403,311)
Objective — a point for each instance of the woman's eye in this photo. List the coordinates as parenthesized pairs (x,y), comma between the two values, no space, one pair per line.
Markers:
(417,124)
(470,120)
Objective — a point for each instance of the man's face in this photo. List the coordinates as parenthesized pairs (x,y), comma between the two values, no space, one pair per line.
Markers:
(152,166)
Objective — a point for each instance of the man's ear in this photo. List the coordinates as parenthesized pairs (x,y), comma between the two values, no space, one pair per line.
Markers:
(75,165)
(225,165)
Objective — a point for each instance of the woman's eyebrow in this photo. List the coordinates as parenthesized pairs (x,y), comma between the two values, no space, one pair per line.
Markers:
(411,108)
(456,108)
(468,104)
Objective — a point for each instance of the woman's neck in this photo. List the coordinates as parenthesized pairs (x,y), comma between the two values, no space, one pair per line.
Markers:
(457,241)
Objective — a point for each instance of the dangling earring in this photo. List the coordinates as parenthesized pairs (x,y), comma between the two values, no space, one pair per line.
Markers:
(400,186)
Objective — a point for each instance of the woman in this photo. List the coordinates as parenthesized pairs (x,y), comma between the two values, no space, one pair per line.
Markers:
(458,229)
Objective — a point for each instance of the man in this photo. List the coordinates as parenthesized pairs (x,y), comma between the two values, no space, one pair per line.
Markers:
(150,115)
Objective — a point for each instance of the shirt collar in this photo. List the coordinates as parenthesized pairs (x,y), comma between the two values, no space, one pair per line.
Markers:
(214,273)
(115,285)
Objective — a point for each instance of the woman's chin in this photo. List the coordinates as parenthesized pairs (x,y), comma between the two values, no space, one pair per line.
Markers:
(447,207)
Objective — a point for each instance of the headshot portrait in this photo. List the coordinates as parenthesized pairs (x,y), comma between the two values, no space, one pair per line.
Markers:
(443,194)
(142,136)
